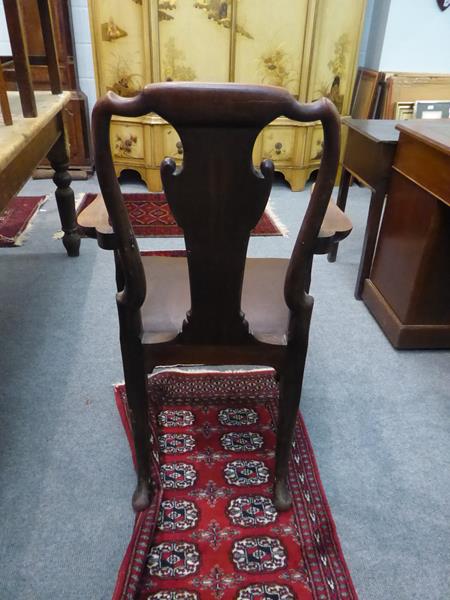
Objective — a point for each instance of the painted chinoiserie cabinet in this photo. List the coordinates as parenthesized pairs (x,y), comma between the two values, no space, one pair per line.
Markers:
(309,47)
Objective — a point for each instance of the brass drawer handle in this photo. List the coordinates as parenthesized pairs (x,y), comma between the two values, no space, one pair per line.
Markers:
(278,147)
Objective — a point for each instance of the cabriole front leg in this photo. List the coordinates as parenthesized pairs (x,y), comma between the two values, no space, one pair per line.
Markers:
(65,199)
(136,388)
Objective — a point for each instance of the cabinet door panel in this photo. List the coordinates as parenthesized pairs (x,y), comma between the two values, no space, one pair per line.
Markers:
(334,52)
(269,42)
(194,40)
(120,38)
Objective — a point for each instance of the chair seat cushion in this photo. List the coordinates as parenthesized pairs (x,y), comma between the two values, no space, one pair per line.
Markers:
(168,298)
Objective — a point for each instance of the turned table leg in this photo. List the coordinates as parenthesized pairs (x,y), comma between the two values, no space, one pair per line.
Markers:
(370,238)
(65,199)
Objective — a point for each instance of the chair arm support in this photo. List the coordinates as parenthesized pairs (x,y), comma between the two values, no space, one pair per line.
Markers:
(134,290)
(335,223)
(298,273)
(94,220)
(336,226)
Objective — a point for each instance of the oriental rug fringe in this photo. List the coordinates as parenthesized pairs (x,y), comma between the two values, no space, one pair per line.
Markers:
(212,532)
(16,219)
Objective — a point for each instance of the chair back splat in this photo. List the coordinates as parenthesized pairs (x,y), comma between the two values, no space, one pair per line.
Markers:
(181,310)
(217,196)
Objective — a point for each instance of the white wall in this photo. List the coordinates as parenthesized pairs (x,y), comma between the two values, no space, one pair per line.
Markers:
(83,49)
(407,35)
(376,25)
(5,48)
(366,32)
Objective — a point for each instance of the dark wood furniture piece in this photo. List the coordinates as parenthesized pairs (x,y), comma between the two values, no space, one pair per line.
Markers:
(75,113)
(215,306)
(404,89)
(33,125)
(408,290)
(366,93)
(368,157)
(392,95)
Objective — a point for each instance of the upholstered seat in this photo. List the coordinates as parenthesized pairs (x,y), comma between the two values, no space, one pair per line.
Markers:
(168,288)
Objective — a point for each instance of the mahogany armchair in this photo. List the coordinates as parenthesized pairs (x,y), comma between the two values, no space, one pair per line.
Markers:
(215,305)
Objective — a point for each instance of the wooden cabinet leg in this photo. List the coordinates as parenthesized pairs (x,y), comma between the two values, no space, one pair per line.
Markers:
(296,178)
(370,238)
(65,199)
(341,203)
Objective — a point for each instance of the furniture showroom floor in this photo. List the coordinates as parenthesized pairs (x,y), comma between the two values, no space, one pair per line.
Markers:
(378,419)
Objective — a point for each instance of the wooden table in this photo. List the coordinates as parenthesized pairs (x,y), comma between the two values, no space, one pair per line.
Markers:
(25,143)
(408,291)
(368,157)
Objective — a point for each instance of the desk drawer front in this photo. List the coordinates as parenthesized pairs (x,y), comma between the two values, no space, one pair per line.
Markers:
(368,160)
(426,166)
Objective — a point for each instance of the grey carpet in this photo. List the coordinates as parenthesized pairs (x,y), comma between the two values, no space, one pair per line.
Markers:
(378,419)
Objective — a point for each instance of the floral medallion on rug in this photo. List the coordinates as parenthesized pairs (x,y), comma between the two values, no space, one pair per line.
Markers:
(16,217)
(212,531)
(151,216)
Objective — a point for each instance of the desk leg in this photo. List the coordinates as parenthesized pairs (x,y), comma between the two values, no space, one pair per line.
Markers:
(341,202)
(65,199)
(370,238)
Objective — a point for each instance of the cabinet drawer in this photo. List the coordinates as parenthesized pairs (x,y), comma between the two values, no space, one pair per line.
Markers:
(127,141)
(171,144)
(165,142)
(315,144)
(279,144)
(257,150)
(314,148)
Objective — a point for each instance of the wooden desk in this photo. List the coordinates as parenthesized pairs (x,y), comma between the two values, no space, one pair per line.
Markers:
(368,157)
(408,291)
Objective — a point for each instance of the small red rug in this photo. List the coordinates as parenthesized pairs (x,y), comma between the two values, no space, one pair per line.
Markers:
(16,217)
(212,532)
(151,216)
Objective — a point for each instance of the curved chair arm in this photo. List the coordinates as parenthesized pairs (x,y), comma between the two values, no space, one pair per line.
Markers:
(134,290)
(298,273)
(94,221)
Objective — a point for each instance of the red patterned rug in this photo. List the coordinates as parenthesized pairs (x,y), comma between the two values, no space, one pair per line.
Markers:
(151,216)
(16,217)
(212,532)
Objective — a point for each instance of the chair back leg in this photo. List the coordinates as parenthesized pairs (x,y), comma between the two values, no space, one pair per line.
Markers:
(50,46)
(4,103)
(136,388)
(16,31)
(291,380)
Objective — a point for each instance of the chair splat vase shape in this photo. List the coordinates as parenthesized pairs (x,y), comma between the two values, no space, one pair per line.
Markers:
(215,306)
